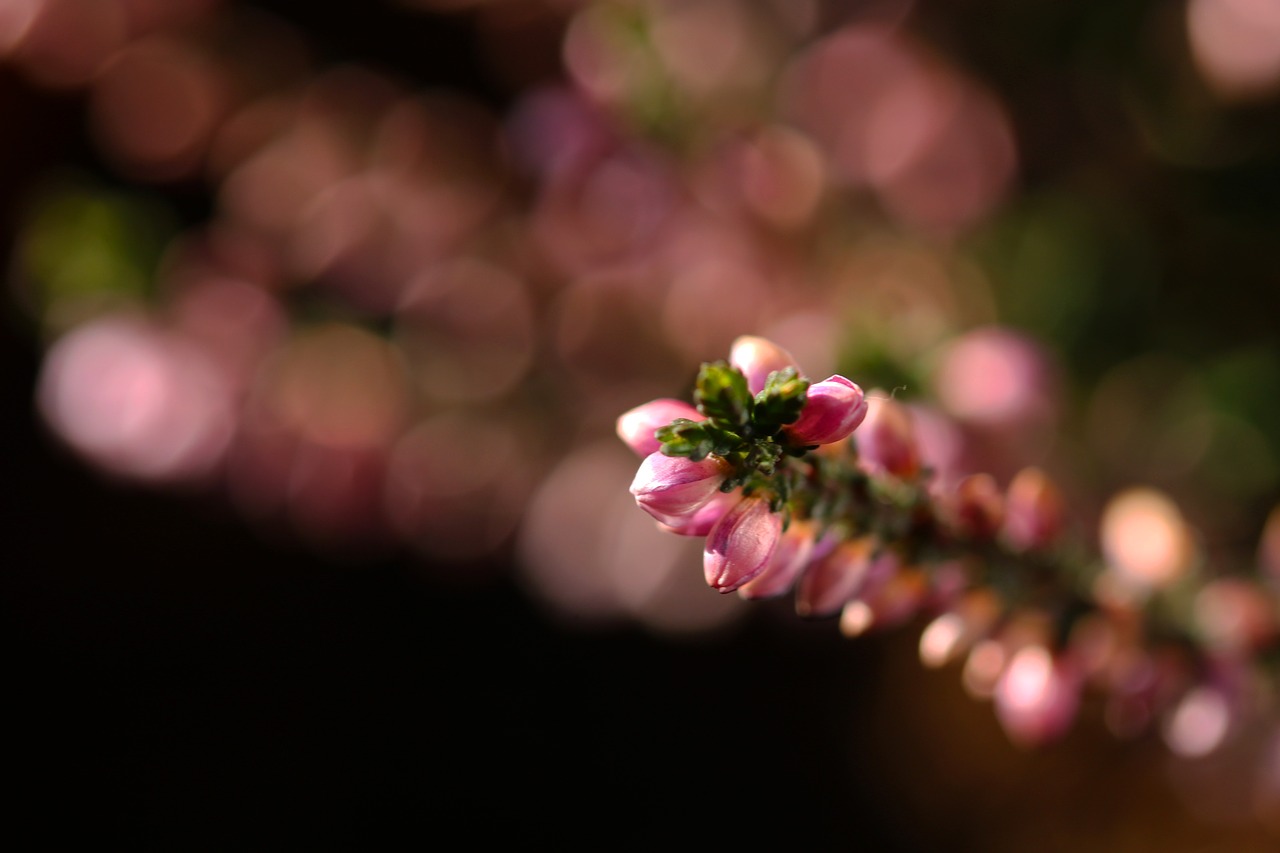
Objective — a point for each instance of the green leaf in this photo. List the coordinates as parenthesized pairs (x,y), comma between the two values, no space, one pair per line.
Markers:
(683,437)
(721,394)
(781,400)
(83,247)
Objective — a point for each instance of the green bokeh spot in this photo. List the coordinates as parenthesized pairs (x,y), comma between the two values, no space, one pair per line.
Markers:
(82,246)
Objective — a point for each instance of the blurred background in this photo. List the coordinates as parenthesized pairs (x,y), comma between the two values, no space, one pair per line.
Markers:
(318,317)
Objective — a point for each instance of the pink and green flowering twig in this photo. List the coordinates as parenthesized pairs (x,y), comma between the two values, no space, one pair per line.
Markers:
(813,489)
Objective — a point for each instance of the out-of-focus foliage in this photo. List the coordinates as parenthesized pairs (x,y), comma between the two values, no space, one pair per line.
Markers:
(86,250)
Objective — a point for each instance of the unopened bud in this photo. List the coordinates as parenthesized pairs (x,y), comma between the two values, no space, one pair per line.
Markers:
(741,544)
(1145,540)
(831,581)
(637,426)
(1235,616)
(793,553)
(887,441)
(833,409)
(953,633)
(705,517)
(886,604)
(1199,722)
(673,488)
(758,357)
(1037,696)
(976,510)
(1034,511)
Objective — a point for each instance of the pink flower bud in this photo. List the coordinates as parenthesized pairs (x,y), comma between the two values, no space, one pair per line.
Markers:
(757,358)
(887,441)
(741,544)
(793,553)
(833,409)
(886,604)
(1199,722)
(637,426)
(976,509)
(954,632)
(1037,696)
(1034,511)
(830,582)
(1145,540)
(673,488)
(1235,615)
(705,518)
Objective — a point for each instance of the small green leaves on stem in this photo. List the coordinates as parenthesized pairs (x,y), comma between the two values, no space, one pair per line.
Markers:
(741,429)
(781,401)
(721,394)
(684,437)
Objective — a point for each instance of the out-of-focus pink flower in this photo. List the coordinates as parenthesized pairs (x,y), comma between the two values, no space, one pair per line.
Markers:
(934,146)
(885,604)
(793,553)
(1199,722)
(741,544)
(757,357)
(1034,511)
(1236,46)
(996,377)
(704,519)
(954,632)
(637,426)
(1235,616)
(138,400)
(975,510)
(831,581)
(1146,542)
(1037,696)
(673,488)
(944,446)
(990,656)
(887,442)
(833,409)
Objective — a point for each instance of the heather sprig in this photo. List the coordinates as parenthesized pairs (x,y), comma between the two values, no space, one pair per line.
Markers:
(802,487)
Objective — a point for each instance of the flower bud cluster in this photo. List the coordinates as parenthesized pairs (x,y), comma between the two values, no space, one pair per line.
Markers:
(801,488)
(726,467)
